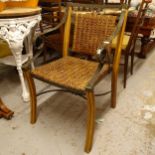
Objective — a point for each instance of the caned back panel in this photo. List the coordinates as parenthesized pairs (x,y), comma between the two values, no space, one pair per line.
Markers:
(90,31)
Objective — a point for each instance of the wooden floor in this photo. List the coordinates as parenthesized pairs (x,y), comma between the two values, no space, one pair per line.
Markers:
(60,130)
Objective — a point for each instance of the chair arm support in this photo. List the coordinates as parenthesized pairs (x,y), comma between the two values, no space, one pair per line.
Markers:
(42,35)
(38,49)
(100,73)
(103,54)
(105,47)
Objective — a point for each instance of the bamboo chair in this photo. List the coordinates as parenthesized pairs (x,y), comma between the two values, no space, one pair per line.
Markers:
(129,41)
(93,34)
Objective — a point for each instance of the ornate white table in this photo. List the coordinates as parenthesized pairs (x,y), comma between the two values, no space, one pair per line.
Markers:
(17,26)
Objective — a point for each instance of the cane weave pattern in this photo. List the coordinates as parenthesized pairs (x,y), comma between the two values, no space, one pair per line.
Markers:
(91,30)
(68,72)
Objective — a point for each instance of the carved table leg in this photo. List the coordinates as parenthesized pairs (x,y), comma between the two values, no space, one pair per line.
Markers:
(14,31)
(144,42)
(18,46)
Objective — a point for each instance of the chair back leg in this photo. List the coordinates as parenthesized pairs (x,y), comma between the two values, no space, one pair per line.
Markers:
(116,63)
(132,60)
(126,57)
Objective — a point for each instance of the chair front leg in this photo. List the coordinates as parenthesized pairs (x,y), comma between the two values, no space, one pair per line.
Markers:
(113,89)
(33,100)
(90,120)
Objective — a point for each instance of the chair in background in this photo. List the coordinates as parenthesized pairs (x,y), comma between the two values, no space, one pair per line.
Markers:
(129,41)
(93,34)
(51,16)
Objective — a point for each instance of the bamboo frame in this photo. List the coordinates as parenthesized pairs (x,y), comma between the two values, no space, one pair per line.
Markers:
(90,120)
(99,74)
(116,63)
(67,33)
(33,100)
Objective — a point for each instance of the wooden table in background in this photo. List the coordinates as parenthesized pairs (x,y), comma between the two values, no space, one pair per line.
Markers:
(145,30)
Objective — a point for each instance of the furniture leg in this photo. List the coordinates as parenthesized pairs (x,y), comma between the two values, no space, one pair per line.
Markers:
(126,57)
(18,46)
(14,30)
(32,91)
(113,90)
(144,41)
(90,121)
(132,59)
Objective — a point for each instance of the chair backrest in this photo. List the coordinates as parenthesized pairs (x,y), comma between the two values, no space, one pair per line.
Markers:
(138,23)
(89,31)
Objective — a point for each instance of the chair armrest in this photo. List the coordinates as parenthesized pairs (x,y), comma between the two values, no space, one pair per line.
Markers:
(106,44)
(39,50)
(41,36)
(103,54)
(100,73)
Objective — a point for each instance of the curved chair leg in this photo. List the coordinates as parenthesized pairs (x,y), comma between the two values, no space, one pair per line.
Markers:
(32,90)
(90,121)
(126,58)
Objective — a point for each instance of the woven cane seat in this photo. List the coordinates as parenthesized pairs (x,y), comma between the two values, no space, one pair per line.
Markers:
(68,72)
